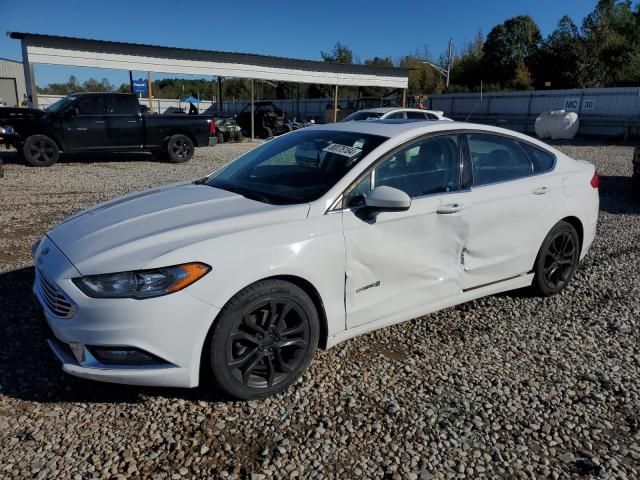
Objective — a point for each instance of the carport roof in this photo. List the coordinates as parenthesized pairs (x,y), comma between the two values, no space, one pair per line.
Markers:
(84,52)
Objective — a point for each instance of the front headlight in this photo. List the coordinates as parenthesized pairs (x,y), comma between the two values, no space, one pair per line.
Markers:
(142,283)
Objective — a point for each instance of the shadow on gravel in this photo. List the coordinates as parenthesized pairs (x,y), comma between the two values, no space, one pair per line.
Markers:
(30,371)
(11,157)
(616,196)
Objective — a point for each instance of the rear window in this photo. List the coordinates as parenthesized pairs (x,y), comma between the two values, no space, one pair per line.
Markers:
(123,105)
(416,115)
(542,161)
(497,159)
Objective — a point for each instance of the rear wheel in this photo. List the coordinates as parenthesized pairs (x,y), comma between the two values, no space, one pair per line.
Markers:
(264,338)
(40,151)
(179,148)
(557,260)
(635,182)
(268,133)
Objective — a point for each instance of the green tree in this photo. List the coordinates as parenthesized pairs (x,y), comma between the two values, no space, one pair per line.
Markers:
(612,36)
(563,60)
(339,54)
(510,49)
(422,77)
(379,62)
(467,68)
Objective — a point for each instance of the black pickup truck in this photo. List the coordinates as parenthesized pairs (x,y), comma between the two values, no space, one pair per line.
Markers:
(102,122)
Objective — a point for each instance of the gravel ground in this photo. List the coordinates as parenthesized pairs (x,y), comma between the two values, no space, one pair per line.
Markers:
(508,386)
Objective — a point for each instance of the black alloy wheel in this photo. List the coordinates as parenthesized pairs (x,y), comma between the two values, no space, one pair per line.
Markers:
(557,260)
(180,148)
(268,343)
(40,151)
(263,339)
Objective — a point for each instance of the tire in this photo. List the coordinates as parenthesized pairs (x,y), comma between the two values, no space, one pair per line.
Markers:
(635,183)
(557,260)
(40,151)
(239,136)
(252,353)
(179,148)
(268,133)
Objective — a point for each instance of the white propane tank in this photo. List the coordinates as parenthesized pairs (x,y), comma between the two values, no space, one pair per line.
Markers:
(557,124)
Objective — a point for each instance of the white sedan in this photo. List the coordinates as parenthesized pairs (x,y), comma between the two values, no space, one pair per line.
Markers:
(309,239)
(395,113)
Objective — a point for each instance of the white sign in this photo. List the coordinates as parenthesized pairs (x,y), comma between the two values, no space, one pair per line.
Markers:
(343,150)
(571,104)
(588,104)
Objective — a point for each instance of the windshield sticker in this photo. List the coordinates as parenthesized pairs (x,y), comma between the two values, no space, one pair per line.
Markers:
(343,150)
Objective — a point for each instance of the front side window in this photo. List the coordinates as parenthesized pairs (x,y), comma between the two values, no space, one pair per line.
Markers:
(427,167)
(496,159)
(362,115)
(298,167)
(396,116)
(542,161)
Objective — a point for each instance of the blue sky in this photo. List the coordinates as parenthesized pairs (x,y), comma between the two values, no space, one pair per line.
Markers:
(284,28)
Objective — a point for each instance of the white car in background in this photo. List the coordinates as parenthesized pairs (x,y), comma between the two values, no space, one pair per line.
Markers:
(246,272)
(395,113)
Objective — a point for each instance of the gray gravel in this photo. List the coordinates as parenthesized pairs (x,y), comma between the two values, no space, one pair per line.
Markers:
(508,386)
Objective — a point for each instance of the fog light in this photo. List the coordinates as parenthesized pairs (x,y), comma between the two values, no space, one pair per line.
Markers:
(124,356)
(78,351)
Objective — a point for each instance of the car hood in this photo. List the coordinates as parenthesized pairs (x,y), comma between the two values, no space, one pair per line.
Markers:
(130,232)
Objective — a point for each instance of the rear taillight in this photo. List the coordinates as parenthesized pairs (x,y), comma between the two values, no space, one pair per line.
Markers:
(212,127)
(595,180)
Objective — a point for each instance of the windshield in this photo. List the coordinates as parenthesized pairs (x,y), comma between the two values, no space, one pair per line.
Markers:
(362,115)
(57,106)
(296,168)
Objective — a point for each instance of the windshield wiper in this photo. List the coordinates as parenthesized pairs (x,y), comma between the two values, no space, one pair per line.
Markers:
(250,194)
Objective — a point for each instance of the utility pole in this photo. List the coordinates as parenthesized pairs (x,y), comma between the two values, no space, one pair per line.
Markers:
(149,92)
(445,73)
(449,59)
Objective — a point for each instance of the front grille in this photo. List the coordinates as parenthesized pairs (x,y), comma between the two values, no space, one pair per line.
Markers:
(54,299)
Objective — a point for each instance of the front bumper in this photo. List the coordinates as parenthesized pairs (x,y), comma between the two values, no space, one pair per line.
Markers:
(172,328)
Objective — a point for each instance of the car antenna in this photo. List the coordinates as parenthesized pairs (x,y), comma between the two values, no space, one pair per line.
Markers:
(477,105)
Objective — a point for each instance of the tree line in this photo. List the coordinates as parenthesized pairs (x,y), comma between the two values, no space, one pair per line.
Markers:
(603,52)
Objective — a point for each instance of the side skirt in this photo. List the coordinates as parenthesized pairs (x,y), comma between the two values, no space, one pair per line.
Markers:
(491,289)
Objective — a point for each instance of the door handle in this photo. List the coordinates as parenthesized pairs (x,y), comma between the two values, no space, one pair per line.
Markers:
(132,121)
(540,190)
(450,208)
(100,121)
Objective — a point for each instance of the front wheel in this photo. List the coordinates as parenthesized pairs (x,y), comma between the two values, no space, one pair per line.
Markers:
(40,151)
(557,260)
(179,148)
(263,339)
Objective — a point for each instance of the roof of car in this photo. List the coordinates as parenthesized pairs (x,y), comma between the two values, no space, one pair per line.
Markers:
(391,128)
(394,109)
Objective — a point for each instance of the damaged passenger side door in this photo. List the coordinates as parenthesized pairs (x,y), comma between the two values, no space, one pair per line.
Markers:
(401,264)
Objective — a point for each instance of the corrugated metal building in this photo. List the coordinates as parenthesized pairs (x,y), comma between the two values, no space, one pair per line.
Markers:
(602,111)
(12,86)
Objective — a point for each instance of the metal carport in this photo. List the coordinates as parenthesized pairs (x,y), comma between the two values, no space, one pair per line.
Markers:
(81,52)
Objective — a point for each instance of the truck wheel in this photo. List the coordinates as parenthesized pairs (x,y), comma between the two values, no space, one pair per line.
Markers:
(179,148)
(635,183)
(40,151)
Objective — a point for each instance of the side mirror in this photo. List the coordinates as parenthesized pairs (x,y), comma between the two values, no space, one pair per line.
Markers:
(384,199)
